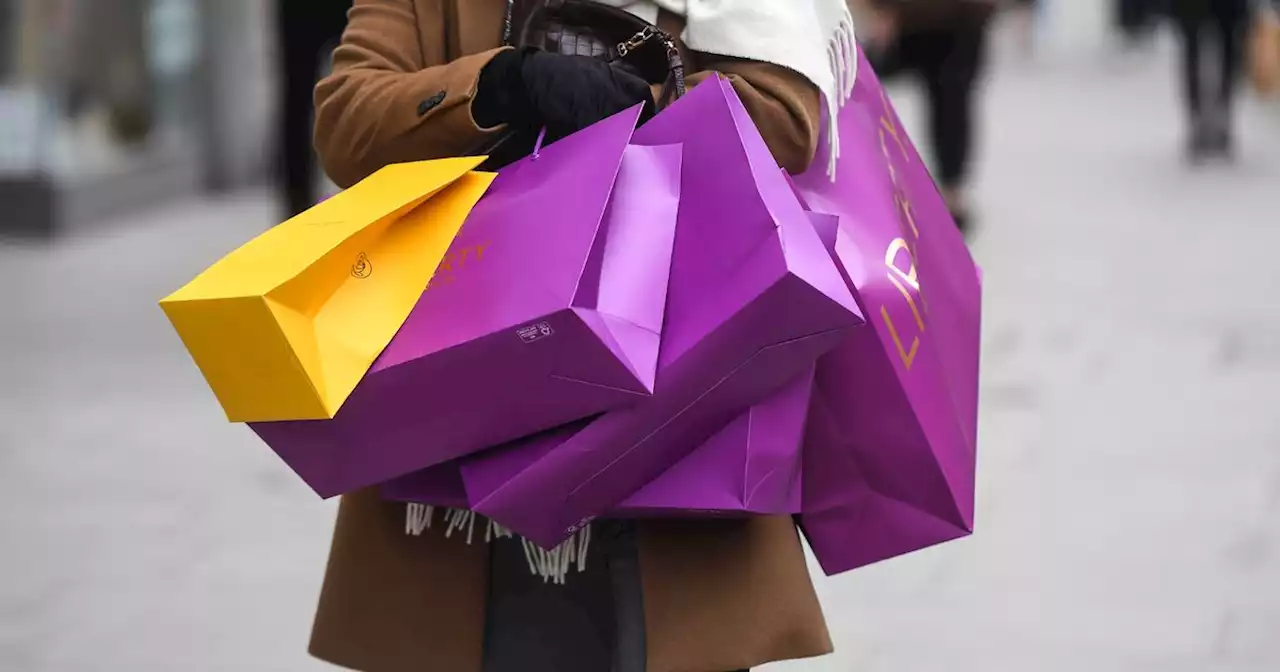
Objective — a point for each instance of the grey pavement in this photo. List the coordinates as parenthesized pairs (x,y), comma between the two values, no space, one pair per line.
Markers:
(1129,510)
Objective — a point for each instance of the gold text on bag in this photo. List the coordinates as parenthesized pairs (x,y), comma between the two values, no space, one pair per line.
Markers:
(285,326)
(906,280)
(455,261)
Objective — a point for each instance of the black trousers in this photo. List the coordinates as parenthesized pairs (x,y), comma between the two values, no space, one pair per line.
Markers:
(951,60)
(8,37)
(1223,23)
(1135,17)
(592,623)
(305,32)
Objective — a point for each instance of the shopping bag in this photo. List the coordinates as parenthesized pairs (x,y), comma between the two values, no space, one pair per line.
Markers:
(754,298)
(547,309)
(751,466)
(1264,53)
(890,454)
(284,327)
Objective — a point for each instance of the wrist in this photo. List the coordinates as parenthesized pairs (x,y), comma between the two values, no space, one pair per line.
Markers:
(500,97)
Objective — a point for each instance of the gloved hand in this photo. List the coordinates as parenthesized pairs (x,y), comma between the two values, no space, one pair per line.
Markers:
(531,89)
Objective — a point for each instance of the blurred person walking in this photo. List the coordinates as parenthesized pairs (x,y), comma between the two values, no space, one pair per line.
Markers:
(1210,113)
(305,31)
(1264,50)
(422,79)
(1026,15)
(8,40)
(1136,19)
(945,42)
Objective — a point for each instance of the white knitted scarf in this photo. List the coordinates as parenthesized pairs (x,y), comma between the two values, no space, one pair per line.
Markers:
(812,37)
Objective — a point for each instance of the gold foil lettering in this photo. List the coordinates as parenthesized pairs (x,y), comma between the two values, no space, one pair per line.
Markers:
(909,276)
(906,281)
(905,206)
(886,122)
(908,356)
(897,276)
(891,258)
(911,302)
(455,261)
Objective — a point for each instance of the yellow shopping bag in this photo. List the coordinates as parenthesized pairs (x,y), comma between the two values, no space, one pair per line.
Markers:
(284,327)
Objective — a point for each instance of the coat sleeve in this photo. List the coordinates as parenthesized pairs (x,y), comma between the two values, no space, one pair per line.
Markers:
(387,101)
(785,106)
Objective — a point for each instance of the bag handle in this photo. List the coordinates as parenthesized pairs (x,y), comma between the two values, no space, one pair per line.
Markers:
(537,144)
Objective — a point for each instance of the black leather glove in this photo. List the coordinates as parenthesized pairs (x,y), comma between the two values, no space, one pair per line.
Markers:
(531,89)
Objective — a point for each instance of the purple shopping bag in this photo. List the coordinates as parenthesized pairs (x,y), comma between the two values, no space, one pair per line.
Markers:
(754,299)
(751,466)
(754,465)
(547,309)
(890,455)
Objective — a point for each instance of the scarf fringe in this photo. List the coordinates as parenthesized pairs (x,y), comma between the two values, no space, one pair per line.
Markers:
(843,54)
(552,565)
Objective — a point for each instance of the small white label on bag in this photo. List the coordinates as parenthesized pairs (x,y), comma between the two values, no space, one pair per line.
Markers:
(535,332)
(581,524)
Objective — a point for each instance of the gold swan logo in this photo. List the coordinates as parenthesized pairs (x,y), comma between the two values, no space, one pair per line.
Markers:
(363,268)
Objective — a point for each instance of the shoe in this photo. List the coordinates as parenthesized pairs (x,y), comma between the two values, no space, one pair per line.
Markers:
(1224,144)
(1200,145)
(957,206)
(962,220)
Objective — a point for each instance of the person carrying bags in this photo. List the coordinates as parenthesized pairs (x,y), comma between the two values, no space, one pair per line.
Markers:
(422,79)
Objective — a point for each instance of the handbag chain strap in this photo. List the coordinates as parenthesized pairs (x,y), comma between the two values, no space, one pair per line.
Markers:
(506,22)
(649,33)
(674,62)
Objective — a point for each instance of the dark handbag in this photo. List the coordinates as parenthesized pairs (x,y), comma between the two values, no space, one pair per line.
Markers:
(585,28)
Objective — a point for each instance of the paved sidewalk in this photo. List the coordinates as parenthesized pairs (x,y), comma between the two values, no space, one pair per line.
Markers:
(1129,510)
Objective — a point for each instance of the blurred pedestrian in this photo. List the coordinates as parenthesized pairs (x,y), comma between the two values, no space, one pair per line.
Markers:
(945,42)
(1026,14)
(8,41)
(1264,49)
(421,79)
(305,32)
(1135,19)
(1221,23)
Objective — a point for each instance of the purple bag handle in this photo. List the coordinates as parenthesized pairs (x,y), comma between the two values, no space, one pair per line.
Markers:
(537,144)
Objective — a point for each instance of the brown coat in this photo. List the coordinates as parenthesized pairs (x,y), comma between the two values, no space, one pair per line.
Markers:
(718,595)
(406,71)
